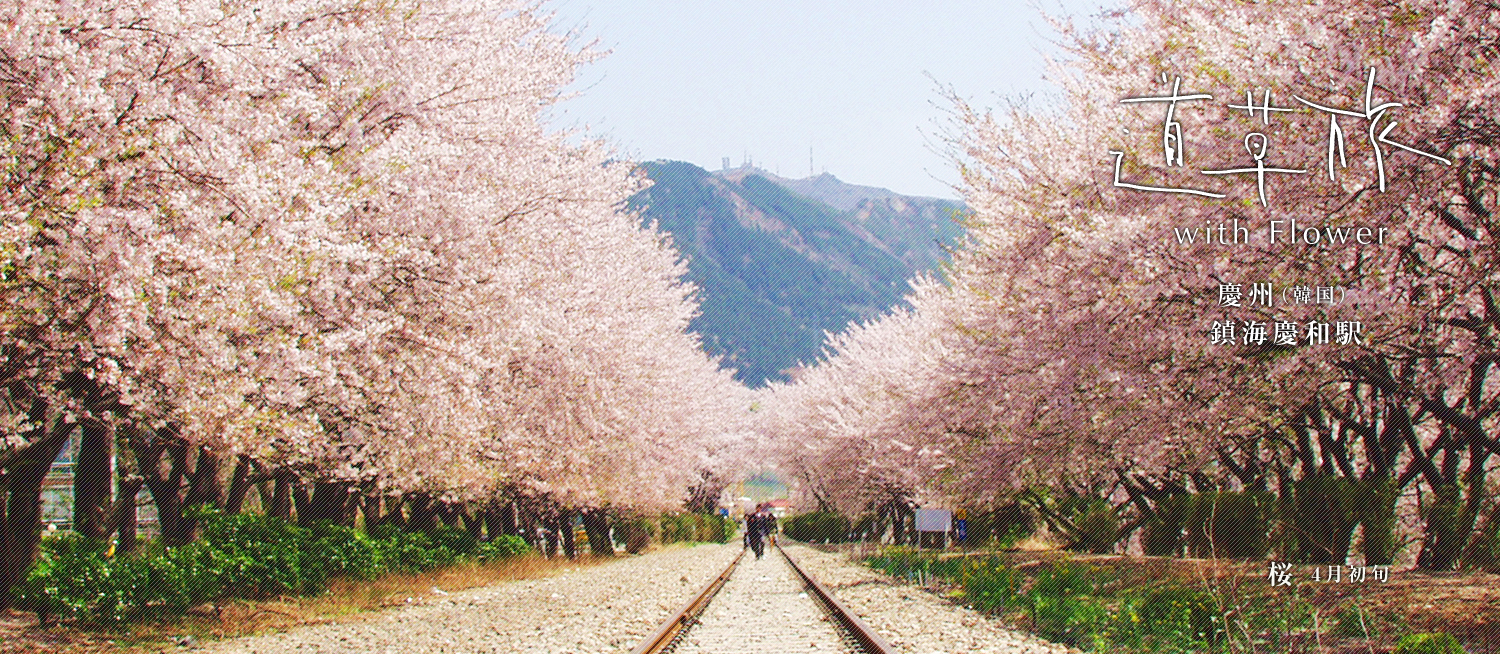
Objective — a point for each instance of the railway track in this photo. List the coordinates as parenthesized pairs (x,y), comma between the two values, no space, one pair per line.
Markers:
(763,605)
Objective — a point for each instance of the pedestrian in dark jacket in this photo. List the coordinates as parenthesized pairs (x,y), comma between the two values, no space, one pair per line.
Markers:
(756,528)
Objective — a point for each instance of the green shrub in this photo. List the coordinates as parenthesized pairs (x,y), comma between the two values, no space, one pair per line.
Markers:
(989,585)
(413,552)
(1012,526)
(1354,622)
(247,555)
(1322,517)
(901,561)
(673,529)
(1229,524)
(720,529)
(344,552)
(1430,643)
(688,528)
(453,539)
(244,555)
(64,580)
(1376,510)
(1062,605)
(1162,534)
(817,527)
(1098,529)
(1181,615)
(635,534)
(503,547)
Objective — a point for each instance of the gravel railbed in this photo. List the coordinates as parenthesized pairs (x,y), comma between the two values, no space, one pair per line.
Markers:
(609,607)
(762,609)
(911,619)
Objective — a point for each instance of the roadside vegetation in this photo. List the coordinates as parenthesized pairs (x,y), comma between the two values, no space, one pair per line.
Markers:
(1132,604)
(249,573)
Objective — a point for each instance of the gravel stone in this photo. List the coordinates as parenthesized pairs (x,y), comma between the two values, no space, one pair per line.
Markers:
(613,606)
(605,608)
(762,608)
(911,619)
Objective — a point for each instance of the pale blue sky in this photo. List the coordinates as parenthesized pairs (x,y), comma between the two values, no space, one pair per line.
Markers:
(701,80)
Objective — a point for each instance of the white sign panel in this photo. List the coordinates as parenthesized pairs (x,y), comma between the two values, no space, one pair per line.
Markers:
(934,520)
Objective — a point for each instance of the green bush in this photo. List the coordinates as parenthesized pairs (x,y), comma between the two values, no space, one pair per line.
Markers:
(1011,524)
(1431,643)
(248,555)
(1062,605)
(1322,517)
(454,540)
(1162,534)
(677,528)
(1376,509)
(1229,524)
(344,552)
(635,534)
(900,560)
(244,555)
(817,527)
(64,581)
(720,529)
(413,552)
(989,585)
(1181,615)
(1098,529)
(914,564)
(504,547)
(692,528)
(1354,622)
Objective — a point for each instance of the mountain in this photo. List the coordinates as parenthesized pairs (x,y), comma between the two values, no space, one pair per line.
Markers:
(779,262)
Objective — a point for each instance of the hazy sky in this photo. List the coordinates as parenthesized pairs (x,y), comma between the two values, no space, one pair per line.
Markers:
(857,82)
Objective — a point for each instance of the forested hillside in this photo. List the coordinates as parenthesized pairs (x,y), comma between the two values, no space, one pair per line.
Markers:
(777,268)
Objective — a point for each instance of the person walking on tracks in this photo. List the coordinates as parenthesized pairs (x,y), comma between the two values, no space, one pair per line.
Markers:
(758,526)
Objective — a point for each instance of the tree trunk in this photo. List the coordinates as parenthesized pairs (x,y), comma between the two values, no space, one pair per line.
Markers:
(199,468)
(473,521)
(301,500)
(21,531)
(281,495)
(423,513)
(126,514)
(596,525)
(510,519)
(569,540)
(494,523)
(206,488)
(1451,517)
(450,514)
(553,535)
(93,478)
(326,503)
(239,486)
(371,505)
(528,522)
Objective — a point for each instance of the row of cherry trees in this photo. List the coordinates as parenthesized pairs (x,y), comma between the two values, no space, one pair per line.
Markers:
(326,249)
(1071,345)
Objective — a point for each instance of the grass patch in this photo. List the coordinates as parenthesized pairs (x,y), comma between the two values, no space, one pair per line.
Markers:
(344,599)
(1136,605)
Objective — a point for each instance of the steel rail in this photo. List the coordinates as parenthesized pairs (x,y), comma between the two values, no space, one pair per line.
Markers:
(862,633)
(669,630)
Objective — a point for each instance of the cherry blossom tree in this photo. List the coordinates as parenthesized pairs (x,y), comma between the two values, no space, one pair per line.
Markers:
(1077,326)
(333,243)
